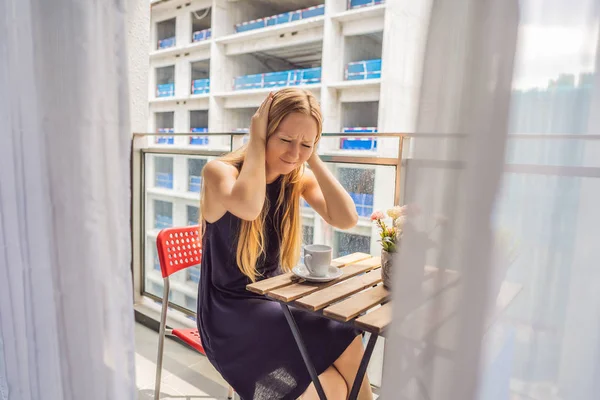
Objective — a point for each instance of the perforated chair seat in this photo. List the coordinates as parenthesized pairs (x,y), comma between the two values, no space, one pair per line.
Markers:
(191,337)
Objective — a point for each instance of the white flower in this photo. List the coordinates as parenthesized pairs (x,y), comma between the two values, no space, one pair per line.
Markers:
(399,222)
(396,212)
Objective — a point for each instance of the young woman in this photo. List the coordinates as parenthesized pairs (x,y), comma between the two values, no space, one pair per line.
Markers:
(251,224)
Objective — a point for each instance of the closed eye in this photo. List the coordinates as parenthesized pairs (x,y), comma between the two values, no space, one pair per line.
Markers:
(308,146)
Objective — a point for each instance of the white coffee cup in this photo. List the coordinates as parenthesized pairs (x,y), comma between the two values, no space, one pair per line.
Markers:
(317,258)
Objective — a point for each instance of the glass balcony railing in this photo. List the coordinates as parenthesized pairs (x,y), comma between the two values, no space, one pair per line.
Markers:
(194,274)
(165,90)
(163,221)
(372,180)
(363,3)
(164,180)
(536,165)
(195,183)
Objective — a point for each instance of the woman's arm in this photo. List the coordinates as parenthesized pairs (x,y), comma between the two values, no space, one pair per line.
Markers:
(241,194)
(327,196)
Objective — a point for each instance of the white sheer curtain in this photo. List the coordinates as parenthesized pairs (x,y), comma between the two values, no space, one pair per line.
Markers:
(66,309)
(505,174)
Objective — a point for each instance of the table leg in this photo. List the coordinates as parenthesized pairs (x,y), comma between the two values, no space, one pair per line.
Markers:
(360,374)
(305,356)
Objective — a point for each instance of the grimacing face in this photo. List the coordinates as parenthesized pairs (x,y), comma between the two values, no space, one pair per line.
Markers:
(292,143)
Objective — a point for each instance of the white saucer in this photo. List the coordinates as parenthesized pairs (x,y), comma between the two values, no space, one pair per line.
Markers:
(302,272)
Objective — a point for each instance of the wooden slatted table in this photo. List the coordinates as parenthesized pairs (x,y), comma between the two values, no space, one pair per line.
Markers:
(358,298)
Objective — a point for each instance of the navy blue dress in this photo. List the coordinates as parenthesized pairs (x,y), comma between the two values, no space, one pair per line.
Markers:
(245,335)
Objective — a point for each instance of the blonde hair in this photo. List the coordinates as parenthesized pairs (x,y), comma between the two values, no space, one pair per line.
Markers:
(251,237)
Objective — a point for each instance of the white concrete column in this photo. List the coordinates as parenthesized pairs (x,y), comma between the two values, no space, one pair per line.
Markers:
(138,43)
(404,36)
(332,67)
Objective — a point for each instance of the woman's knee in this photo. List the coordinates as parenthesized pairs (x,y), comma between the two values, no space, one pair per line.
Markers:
(352,355)
(339,387)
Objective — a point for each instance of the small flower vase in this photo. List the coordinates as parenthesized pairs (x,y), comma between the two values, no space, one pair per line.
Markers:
(386,268)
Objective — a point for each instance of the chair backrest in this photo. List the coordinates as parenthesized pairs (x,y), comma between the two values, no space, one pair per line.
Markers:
(178,248)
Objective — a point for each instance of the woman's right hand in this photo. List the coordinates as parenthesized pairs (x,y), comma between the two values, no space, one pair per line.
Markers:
(260,119)
(235,191)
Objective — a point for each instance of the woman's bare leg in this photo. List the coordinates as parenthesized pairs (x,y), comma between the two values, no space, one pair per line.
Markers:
(347,365)
(333,384)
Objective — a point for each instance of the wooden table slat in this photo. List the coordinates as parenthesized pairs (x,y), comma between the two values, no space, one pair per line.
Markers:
(341,262)
(445,333)
(433,284)
(262,287)
(436,318)
(376,320)
(351,307)
(431,315)
(297,290)
(326,296)
(276,282)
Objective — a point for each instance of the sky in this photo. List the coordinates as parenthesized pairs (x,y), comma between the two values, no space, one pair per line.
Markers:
(555,37)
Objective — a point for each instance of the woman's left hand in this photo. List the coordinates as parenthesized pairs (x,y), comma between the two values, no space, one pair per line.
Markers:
(323,192)
(313,157)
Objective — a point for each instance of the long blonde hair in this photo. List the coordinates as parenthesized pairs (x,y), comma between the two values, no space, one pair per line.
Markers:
(251,237)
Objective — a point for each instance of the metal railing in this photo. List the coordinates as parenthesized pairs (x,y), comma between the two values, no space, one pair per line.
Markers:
(141,149)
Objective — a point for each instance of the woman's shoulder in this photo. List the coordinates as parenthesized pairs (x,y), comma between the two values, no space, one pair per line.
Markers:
(218,175)
(216,170)
(307,179)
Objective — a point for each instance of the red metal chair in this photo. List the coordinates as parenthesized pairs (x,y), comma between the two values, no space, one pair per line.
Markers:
(178,248)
